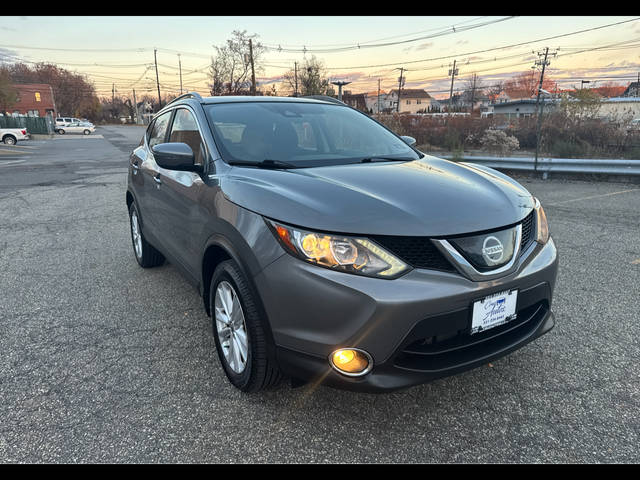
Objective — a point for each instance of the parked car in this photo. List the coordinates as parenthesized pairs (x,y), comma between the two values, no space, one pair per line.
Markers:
(64,121)
(327,249)
(10,136)
(76,127)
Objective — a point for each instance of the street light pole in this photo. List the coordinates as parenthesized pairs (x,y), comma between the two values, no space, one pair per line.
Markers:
(340,84)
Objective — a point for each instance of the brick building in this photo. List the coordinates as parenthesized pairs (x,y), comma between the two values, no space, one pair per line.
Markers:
(34,100)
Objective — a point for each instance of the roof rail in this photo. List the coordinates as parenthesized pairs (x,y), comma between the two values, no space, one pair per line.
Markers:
(195,95)
(326,98)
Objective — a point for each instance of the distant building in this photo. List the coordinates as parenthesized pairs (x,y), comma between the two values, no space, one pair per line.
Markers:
(620,109)
(633,90)
(355,100)
(615,109)
(378,104)
(520,108)
(34,100)
(412,100)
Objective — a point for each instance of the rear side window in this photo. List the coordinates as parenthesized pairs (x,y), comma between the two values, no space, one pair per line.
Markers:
(159,129)
(185,130)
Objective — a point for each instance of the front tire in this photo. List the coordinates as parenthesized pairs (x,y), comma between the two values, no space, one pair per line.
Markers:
(87,132)
(239,330)
(9,140)
(61,131)
(146,255)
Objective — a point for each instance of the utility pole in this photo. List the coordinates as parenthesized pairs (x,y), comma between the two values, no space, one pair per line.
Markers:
(180,67)
(295,74)
(155,58)
(473,91)
(113,99)
(544,63)
(400,83)
(253,73)
(453,72)
(378,96)
(135,107)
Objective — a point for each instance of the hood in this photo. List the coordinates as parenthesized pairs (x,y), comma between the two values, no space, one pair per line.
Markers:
(426,197)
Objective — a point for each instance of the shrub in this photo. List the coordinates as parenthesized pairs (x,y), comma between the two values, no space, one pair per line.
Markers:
(498,141)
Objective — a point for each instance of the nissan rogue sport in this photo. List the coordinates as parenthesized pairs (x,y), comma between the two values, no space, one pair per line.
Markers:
(328,249)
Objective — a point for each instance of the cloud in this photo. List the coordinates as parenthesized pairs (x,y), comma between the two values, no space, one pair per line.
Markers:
(424,46)
(8,55)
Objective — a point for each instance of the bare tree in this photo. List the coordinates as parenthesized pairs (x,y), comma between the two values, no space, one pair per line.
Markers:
(8,93)
(473,90)
(230,70)
(311,78)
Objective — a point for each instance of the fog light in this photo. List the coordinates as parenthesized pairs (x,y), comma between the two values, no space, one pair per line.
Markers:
(351,361)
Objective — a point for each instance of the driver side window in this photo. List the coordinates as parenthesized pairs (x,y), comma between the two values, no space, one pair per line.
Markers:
(159,129)
(185,130)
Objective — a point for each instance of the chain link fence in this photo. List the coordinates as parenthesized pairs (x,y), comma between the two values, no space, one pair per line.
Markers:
(34,125)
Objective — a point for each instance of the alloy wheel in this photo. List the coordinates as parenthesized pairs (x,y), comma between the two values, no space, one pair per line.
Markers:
(135,233)
(231,327)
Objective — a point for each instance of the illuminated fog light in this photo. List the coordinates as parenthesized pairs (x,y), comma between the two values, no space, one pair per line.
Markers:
(351,361)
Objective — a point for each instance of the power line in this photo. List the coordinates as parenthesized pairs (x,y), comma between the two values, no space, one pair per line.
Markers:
(387,44)
(385,38)
(447,57)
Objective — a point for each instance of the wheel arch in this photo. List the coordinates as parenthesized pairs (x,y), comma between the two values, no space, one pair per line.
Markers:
(218,250)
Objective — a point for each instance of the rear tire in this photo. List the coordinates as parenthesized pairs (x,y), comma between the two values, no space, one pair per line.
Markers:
(9,140)
(87,132)
(256,370)
(146,255)
(61,131)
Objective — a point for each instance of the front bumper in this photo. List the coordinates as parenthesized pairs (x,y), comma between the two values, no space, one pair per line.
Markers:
(416,327)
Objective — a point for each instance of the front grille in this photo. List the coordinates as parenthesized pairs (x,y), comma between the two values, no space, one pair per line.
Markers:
(419,252)
(528,232)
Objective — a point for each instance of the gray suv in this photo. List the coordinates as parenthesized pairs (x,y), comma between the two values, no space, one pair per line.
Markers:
(327,249)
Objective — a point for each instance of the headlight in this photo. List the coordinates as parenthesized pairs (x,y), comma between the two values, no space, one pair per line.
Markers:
(346,254)
(542,227)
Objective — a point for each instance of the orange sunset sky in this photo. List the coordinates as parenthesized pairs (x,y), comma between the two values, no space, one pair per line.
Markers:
(360,49)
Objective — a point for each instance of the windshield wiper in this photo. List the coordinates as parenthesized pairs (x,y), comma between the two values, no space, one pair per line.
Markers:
(385,159)
(267,163)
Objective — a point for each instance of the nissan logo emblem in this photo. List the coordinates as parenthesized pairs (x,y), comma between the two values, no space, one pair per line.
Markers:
(492,250)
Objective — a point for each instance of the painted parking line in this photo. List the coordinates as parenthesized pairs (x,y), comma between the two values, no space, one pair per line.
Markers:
(25,147)
(5,163)
(595,196)
(77,137)
(13,152)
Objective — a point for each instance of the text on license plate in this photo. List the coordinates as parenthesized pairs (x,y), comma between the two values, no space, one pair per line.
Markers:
(494,310)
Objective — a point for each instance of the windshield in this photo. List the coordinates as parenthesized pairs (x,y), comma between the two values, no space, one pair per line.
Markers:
(301,134)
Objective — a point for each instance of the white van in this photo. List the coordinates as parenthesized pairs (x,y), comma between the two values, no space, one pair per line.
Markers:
(64,121)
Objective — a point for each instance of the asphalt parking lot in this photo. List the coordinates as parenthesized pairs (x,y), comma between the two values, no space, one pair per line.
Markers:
(96,368)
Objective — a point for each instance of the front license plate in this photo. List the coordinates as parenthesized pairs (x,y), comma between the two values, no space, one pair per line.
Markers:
(494,310)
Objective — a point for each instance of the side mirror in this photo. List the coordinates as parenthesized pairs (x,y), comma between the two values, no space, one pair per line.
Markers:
(175,156)
(408,140)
